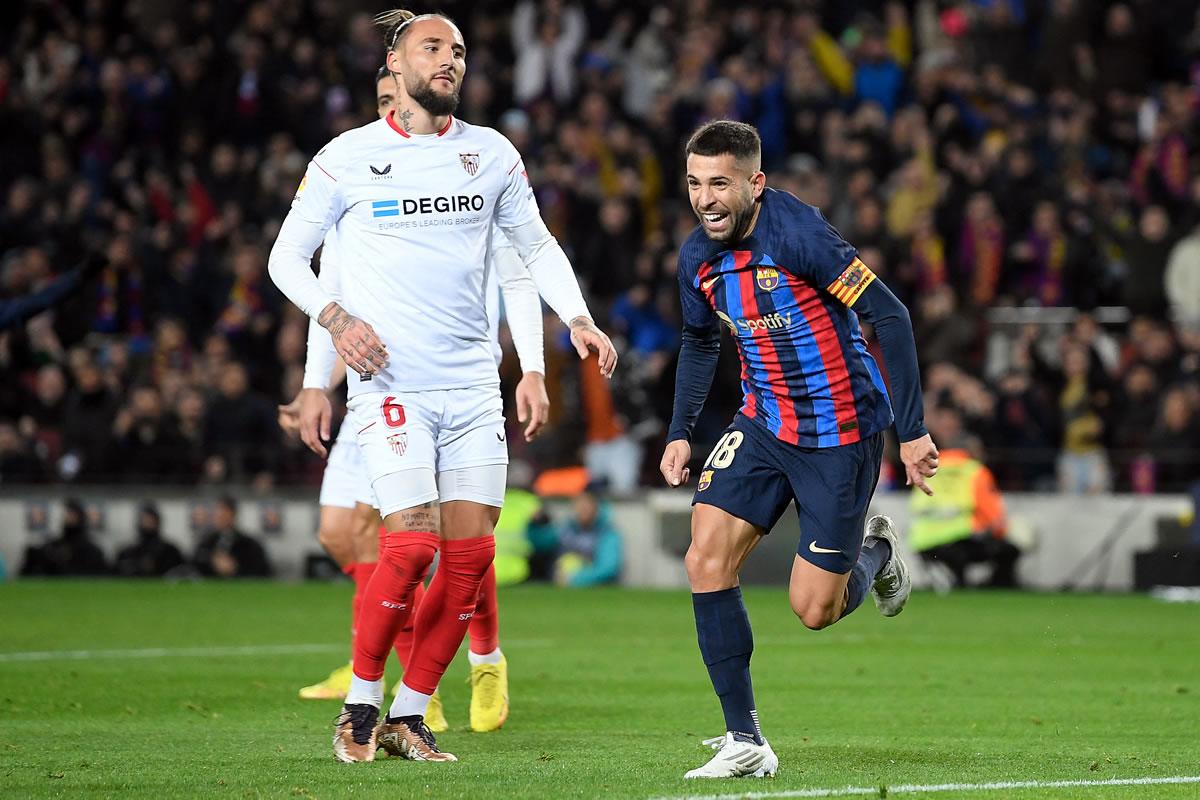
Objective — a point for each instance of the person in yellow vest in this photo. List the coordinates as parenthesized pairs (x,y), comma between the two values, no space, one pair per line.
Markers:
(964,521)
(522,510)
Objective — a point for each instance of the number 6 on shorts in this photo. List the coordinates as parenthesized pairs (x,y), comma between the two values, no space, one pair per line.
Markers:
(722,455)
(393,412)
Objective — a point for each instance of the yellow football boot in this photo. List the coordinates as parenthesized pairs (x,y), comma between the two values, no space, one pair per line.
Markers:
(435,715)
(489,696)
(332,688)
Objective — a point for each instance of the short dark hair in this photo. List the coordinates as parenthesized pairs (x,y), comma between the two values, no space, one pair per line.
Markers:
(381,73)
(723,136)
(229,502)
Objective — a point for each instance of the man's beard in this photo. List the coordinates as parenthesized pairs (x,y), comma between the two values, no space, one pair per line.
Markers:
(437,104)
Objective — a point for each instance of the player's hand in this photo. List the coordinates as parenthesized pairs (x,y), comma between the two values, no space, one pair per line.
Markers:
(674,464)
(586,336)
(315,416)
(354,340)
(920,459)
(289,417)
(533,404)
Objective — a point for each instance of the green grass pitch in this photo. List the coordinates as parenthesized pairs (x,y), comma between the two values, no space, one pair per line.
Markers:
(190,690)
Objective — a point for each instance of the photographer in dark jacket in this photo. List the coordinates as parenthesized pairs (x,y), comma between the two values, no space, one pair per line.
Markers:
(150,556)
(73,553)
(226,552)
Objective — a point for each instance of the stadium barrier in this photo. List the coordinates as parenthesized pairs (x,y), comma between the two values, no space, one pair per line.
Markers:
(1069,541)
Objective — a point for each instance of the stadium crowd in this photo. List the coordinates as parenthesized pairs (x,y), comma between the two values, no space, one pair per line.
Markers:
(983,155)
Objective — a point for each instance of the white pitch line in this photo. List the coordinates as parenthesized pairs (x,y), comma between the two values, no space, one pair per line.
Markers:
(220,651)
(850,791)
(216,651)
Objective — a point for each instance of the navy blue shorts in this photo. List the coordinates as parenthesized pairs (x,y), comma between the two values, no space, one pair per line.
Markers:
(754,476)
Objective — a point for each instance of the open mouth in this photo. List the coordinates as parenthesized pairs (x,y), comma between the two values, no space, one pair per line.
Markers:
(715,220)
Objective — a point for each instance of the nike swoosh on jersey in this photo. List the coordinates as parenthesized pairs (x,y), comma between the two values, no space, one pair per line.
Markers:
(812,547)
(708,283)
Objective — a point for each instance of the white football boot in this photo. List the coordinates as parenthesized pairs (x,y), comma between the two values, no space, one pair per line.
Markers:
(737,759)
(892,586)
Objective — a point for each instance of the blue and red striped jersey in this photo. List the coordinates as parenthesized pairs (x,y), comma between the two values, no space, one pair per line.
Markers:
(786,293)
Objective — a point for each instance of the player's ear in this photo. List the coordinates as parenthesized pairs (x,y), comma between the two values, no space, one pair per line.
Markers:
(393,63)
(758,182)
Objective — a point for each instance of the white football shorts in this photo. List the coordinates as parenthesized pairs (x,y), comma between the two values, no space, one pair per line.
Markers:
(447,444)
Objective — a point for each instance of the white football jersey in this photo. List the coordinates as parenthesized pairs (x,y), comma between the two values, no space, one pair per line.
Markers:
(414,219)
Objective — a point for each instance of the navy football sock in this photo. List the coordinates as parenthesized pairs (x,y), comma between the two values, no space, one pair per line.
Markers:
(875,553)
(726,644)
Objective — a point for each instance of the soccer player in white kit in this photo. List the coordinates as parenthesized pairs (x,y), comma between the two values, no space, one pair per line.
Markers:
(349,521)
(414,197)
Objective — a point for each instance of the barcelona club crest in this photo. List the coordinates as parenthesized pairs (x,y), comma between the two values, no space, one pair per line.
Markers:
(470,162)
(852,277)
(705,480)
(767,278)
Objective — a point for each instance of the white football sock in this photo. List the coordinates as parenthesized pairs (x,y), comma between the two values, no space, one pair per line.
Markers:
(365,692)
(408,703)
(487,658)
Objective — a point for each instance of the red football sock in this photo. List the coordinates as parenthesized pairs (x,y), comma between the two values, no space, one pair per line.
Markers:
(360,573)
(404,639)
(485,625)
(404,560)
(447,609)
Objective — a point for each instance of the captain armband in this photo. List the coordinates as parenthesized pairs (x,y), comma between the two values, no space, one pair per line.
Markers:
(850,285)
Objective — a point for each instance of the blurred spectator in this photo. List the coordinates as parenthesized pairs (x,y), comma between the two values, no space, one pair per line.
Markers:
(150,556)
(589,546)
(1175,440)
(147,445)
(964,521)
(226,552)
(546,37)
(1146,254)
(610,452)
(1183,279)
(18,463)
(87,425)
(522,510)
(72,554)
(240,430)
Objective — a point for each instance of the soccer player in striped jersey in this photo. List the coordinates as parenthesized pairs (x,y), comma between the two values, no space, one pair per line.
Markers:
(789,289)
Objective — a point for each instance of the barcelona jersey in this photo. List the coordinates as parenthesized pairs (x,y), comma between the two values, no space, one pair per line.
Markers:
(786,295)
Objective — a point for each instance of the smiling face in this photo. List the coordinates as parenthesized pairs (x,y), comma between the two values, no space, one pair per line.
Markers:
(430,60)
(724,193)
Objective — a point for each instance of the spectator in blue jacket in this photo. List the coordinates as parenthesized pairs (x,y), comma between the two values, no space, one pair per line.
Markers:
(589,545)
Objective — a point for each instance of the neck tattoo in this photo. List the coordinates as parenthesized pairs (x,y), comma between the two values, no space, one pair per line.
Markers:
(405,118)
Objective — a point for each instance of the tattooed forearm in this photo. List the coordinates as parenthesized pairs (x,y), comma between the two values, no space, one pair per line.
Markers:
(334,319)
(419,518)
(405,118)
(582,322)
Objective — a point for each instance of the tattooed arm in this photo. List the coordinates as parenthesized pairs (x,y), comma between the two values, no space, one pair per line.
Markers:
(355,340)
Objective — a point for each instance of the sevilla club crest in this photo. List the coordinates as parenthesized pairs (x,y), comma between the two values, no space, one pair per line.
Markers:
(470,162)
